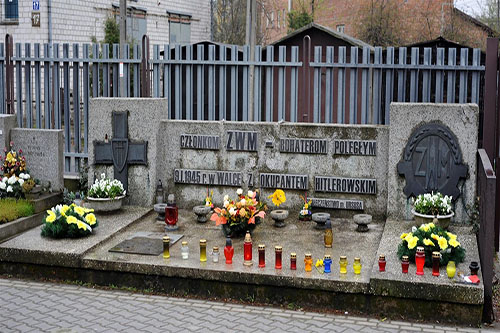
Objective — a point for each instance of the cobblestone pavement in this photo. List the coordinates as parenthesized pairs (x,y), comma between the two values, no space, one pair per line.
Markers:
(27,306)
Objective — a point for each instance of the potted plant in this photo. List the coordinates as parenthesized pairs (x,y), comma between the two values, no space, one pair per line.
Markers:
(278,215)
(69,221)
(430,206)
(238,216)
(106,195)
(432,238)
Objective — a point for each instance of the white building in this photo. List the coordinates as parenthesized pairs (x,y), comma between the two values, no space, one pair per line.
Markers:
(77,21)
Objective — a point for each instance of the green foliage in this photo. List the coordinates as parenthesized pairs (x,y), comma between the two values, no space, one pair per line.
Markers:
(11,209)
(69,222)
(297,19)
(440,240)
(111,31)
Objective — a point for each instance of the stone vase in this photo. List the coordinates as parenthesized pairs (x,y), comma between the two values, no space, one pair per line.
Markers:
(279,216)
(443,220)
(201,213)
(105,204)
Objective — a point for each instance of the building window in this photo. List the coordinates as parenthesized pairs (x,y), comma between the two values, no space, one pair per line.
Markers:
(341,28)
(11,10)
(179,28)
(284,18)
(278,20)
(272,19)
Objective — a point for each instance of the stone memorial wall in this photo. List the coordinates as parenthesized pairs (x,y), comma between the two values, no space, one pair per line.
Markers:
(339,166)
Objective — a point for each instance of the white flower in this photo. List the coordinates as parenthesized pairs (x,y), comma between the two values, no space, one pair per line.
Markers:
(20,181)
(413,229)
(4,179)
(232,211)
(226,198)
(9,189)
(250,194)
(26,176)
(2,186)
(12,180)
(103,176)
(304,212)
(226,203)
(21,175)
(243,202)
(239,191)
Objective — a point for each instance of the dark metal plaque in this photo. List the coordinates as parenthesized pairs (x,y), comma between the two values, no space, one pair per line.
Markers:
(145,243)
(432,162)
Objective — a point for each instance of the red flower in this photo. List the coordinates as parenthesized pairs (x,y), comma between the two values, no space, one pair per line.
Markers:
(20,151)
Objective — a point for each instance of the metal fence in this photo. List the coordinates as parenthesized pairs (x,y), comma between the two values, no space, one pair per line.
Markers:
(49,86)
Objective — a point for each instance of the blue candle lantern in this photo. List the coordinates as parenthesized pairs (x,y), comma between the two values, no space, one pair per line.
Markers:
(327,262)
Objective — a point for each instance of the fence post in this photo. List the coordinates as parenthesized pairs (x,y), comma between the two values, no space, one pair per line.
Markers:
(9,73)
(145,75)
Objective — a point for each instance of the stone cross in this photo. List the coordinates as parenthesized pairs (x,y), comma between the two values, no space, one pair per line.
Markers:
(120,152)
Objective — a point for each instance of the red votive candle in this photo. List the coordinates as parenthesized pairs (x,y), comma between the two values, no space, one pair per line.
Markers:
(293,261)
(436,258)
(262,255)
(420,260)
(247,250)
(279,251)
(405,263)
(381,263)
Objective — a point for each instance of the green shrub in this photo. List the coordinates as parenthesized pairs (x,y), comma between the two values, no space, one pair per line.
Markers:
(11,209)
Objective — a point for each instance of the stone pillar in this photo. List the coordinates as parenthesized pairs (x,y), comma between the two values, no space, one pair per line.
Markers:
(7,122)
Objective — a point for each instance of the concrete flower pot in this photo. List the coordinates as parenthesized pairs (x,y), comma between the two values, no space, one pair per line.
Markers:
(105,204)
(201,213)
(443,220)
(320,219)
(279,216)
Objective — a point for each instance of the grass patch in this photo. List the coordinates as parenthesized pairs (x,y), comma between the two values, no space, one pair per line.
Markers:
(12,209)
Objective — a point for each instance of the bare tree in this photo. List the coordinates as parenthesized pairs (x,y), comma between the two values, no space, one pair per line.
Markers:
(380,23)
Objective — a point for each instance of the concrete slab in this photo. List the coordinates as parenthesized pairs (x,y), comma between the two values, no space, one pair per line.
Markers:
(296,236)
(31,247)
(394,283)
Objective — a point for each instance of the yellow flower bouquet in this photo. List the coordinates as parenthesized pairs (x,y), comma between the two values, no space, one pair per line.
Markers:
(432,238)
(63,221)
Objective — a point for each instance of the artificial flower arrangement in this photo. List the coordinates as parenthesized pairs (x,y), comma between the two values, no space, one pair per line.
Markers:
(433,204)
(238,216)
(106,188)
(63,221)
(278,197)
(305,214)
(209,200)
(12,187)
(14,163)
(432,238)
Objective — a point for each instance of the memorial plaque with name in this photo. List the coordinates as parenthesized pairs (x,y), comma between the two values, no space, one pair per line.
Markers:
(303,146)
(201,142)
(208,177)
(432,162)
(337,203)
(284,181)
(345,185)
(241,141)
(355,147)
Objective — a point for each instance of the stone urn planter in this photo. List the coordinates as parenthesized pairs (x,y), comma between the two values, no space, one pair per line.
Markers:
(105,204)
(320,219)
(160,209)
(201,213)
(279,216)
(362,220)
(442,220)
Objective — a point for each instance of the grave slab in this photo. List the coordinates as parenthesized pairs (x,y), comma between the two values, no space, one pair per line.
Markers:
(31,247)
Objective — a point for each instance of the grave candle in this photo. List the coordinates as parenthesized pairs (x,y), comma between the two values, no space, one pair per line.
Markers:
(420,260)
(436,258)
(308,262)
(166,247)
(381,263)
(171,211)
(203,250)
(215,254)
(159,192)
(229,251)
(343,264)
(279,251)
(328,237)
(185,250)
(357,265)
(247,250)
(405,263)
(293,261)
(327,262)
(474,268)
(451,269)
(262,255)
